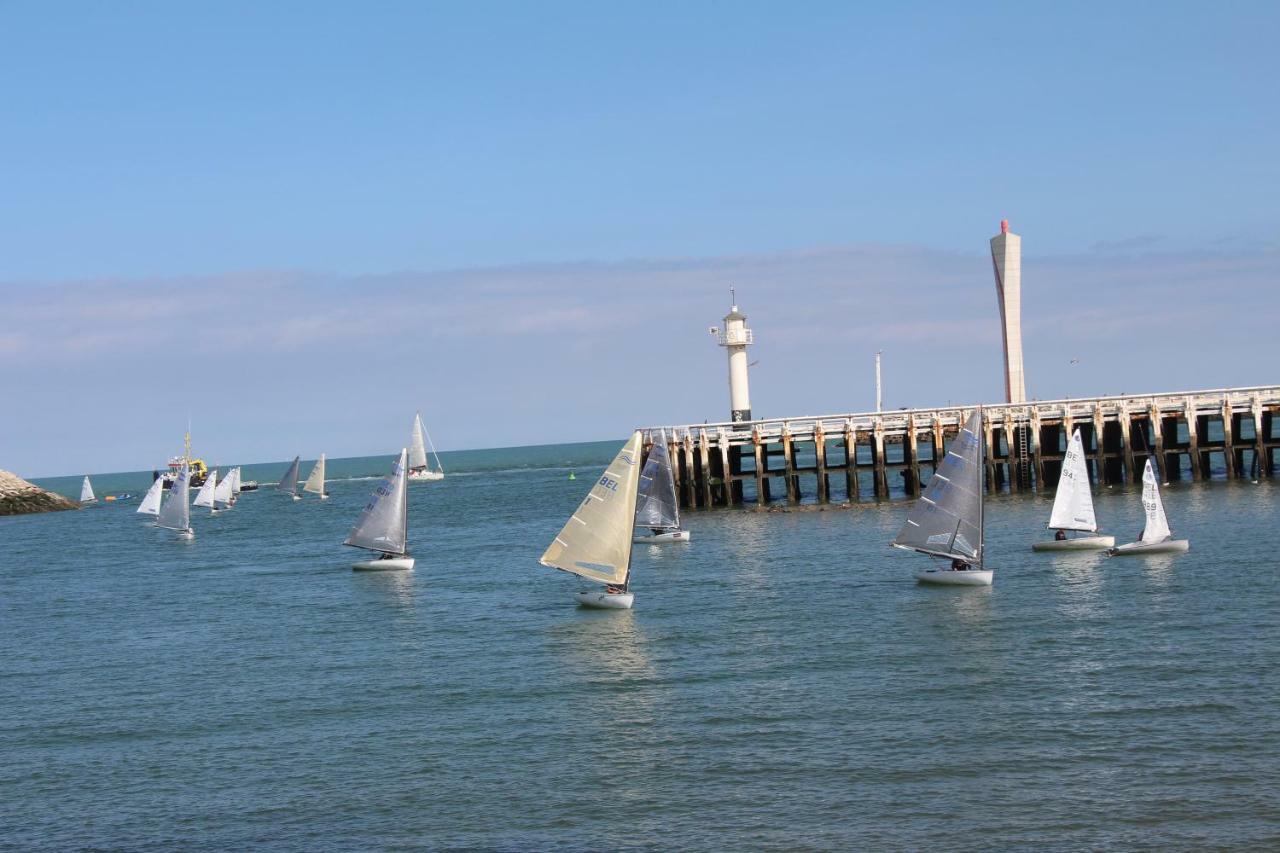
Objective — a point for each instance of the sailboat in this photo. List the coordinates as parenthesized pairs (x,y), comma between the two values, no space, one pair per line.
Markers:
(205,496)
(1073,506)
(657,507)
(151,501)
(1156,536)
(947,520)
(86,493)
(176,512)
(289,482)
(384,523)
(596,540)
(315,480)
(224,493)
(419,467)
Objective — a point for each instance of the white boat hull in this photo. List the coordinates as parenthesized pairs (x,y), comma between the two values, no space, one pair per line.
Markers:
(951,577)
(1169,546)
(393,564)
(660,538)
(425,476)
(606,601)
(1083,543)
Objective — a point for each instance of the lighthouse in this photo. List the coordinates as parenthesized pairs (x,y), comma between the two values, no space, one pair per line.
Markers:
(736,337)
(1006,258)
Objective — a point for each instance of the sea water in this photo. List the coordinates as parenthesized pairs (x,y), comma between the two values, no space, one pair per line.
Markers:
(781,683)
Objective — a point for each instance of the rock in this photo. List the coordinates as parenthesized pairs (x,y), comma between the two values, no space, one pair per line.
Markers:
(18,497)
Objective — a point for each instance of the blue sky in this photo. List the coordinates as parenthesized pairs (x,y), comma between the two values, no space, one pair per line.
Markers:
(313,185)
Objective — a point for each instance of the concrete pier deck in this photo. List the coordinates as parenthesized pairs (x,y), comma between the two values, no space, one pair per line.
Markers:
(1224,432)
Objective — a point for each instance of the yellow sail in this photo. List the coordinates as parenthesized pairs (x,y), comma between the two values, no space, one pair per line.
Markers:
(596,541)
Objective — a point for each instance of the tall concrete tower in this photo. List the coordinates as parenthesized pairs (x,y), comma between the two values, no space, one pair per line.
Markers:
(1006,258)
(736,337)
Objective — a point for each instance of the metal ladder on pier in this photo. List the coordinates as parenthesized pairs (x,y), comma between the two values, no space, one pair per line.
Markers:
(1024,456)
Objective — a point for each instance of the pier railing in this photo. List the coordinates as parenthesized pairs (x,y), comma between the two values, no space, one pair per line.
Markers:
(1217,432)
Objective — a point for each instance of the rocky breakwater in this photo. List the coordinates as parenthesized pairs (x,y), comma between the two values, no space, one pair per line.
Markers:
(17,497)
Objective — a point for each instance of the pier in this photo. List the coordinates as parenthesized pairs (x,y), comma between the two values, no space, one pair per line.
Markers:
(1221,433)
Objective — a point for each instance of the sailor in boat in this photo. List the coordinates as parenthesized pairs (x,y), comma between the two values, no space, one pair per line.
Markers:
(959,565)
(1060,536)
(613,589)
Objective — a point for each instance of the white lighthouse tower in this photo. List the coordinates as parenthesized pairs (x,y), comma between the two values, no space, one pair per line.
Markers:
(736,337)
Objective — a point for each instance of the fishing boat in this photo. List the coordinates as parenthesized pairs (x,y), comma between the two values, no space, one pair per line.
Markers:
(947,521)
(205,497)
(595,543)
(1073,506)
(384,522)
(657,507)
(196,470)
(151,500)
(86,493)
(315,480)
(420,469)
(289,482)
(176,513)
(1156,536)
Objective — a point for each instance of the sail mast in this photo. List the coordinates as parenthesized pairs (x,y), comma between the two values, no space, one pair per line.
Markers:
(982,491)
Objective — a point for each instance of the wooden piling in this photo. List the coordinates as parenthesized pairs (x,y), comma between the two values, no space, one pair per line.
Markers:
(820,457)
(728,497)
(761,485)
(1228,445)
(1261,461)
(706,469)
(852,489)
(913,461)
(1193,442)
(1099,456)
(877,450)
(789,467)
(1126,440)
(987,446)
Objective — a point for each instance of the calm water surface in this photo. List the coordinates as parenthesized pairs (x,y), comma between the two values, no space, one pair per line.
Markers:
(782,682)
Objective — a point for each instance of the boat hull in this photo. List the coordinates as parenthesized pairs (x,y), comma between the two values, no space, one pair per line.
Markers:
(424,476)
(1083,543)
(951,577)
(392,564)
(662,538)
(1170,546)
(602,600)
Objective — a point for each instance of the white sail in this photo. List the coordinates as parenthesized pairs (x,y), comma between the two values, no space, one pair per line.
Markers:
(289,482)
(1073,502)
(235,480)
(1157,528)
(656,504)
(151,501)
(176,512)
(417,444)
(315,480)
(384,521)
(204,497)
(596,541)
(223,492)
(947,520)
(86,492)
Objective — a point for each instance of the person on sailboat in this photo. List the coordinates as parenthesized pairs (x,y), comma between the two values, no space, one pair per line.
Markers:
(613,589)
(959,565)
(1061,535)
